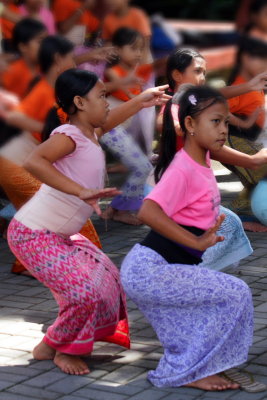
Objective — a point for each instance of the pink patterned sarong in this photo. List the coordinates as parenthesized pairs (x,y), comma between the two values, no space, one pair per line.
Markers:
(84,282)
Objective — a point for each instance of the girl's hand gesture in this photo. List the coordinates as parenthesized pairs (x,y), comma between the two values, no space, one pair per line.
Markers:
(91,196)
(209,238)
(259,82)
(154,96)
(259,159)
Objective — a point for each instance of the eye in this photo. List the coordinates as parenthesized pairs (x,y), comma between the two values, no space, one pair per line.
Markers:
(216,121)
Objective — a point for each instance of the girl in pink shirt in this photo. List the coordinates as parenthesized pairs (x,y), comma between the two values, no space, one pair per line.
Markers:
(43,233)
(202,317)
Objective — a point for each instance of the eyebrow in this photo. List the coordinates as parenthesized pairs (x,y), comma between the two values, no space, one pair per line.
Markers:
(221,115)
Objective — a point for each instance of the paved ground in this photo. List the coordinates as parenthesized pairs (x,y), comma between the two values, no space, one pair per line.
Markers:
(27,308)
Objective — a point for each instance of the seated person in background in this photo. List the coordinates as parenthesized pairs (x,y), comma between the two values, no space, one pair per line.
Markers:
(27,36)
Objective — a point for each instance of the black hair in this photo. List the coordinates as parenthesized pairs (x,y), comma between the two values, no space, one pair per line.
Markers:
(70,83)
(180,60)
(192,103)
(251,46)
(50,46)
(125,36)
(26,30)
(257,5)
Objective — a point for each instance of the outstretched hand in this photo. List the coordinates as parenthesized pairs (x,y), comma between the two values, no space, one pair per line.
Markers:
(91,196)
(154,96)
(259,82)
(209,238)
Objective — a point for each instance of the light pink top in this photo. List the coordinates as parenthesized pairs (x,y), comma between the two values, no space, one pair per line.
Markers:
(59,212)
(188,192)
(45,16)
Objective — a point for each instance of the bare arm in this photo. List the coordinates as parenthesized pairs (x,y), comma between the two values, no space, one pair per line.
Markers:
(259,82)
(153,215)
(230,156)
(23,122)
(148,98)
(66,25)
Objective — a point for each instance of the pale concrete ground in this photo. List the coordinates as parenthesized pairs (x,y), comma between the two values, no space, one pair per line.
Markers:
(27,308)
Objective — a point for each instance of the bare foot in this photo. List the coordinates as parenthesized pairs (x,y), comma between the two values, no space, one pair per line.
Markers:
(213,383)
(43,352)
(69,364)
(117,168)
(254,227)
(126,217)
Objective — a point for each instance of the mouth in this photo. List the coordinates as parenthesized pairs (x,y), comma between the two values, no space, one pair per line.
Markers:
(221,141)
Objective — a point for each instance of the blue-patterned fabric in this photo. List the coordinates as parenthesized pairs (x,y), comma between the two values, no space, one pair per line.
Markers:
(234,247)
(203,318)
(124,148)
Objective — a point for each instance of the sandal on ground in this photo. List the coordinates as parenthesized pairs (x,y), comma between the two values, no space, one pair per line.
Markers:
(245,380)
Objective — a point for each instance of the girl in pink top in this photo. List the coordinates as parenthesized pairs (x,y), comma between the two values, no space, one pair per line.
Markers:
(202,317)
(37,9)
(43,234)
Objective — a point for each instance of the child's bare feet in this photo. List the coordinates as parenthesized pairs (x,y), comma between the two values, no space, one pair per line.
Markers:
(43,352)
(69,364)
(213,383)
(126,217)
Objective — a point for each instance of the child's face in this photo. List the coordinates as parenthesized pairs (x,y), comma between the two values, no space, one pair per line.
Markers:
(30,50)
(210,127)
(195,73)
(260,19)
(96,105)
(131,54)
(116,5)
(253,65)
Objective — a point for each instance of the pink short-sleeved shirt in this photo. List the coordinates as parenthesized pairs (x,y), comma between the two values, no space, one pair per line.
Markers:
(188,192)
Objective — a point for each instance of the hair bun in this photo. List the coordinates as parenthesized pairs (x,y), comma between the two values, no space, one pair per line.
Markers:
(182,89)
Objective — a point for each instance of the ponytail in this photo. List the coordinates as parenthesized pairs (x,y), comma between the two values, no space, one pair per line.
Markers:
(167,148)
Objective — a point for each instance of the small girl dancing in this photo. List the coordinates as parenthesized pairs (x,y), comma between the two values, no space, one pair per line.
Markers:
(203,318)
(43,233)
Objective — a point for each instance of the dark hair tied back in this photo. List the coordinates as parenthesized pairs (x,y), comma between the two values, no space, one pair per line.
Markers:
(71,83)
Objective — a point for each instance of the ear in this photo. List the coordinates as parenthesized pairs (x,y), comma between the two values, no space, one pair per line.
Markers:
(189,124)
(79,102)
(176,76)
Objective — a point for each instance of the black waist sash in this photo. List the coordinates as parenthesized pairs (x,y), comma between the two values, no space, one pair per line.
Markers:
(173,252)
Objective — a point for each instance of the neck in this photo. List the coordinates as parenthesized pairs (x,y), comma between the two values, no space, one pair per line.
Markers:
(86,128)
(122,11)
(32,10)
(196,152)
(30,64)
(51,76)
(245,74)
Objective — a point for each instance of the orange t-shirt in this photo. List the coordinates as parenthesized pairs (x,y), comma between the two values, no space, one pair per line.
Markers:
(144,72)
(17,77)
(6,25)
(63,9)
(247,103)
(135,19)
(38,103)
